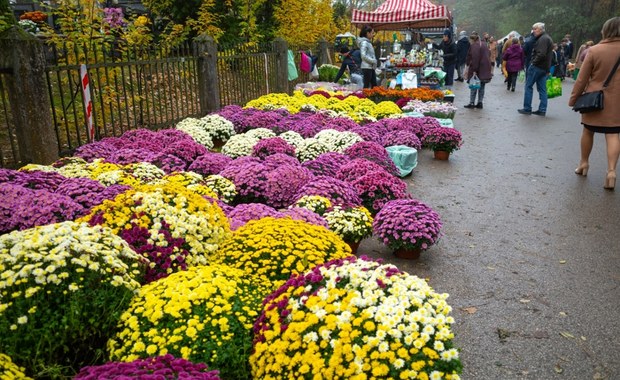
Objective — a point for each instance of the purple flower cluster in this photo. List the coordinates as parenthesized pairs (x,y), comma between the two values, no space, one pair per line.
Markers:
(157,368)
(84,191)
(274,181)
(187,150)
(138,238)
(357,168)
(126,156)
(300,213)
(326,164)
(169,163)
(39,180)
(269,146)
(22,208)
(243,213)
(441,138)
(114,17)
(337,191)
(407,223)
(210,163)
(375,152)
(97,149)
(406,138)
(377,188)
(368,132)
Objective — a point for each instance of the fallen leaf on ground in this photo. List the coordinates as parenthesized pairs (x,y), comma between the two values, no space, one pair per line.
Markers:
(567,335)
(562,261)
(523,300)
(583,338)
(469,310)
(562,313)
(558,369)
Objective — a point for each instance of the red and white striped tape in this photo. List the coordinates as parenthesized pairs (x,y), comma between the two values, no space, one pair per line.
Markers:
(88,104)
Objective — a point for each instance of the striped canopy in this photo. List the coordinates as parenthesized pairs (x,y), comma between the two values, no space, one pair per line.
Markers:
(400,14)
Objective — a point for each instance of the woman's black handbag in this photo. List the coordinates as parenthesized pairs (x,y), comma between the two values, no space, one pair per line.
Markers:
(594,101)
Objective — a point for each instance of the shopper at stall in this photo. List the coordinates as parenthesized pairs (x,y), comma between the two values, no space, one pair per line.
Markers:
(462,47)
(351,60)
(448,48)
(367,52)
(479,64)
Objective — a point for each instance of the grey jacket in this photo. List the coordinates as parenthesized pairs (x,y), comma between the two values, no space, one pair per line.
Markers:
(368,53)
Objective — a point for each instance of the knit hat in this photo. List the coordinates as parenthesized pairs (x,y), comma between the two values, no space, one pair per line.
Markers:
(447,32)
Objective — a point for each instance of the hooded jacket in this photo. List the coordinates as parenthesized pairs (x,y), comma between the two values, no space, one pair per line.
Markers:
(479,61)
(514,57)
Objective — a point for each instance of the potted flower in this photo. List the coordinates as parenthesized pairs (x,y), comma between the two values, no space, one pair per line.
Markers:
(407,226)
(164,367)
(355,319)
(218,128)
(444,140)
(352,224)
(207,318)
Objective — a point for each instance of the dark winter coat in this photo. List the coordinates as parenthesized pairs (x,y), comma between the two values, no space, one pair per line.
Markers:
(449,52)
(528,46)
(542,54)
(479,62)
(462,47)
(514,57)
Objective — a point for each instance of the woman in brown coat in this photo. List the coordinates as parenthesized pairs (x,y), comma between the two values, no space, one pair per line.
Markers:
(479,63)
(599,62)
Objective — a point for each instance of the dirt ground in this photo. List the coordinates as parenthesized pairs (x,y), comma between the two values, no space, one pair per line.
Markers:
(531,252)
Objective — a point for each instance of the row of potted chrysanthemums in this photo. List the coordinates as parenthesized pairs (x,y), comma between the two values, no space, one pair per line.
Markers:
(161,261)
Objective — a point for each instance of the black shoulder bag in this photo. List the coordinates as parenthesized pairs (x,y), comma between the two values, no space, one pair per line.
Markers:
(593,101)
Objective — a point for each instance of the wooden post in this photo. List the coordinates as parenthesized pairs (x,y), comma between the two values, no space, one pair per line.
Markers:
(324,56)
(281,48)
(23,56)
(208,81)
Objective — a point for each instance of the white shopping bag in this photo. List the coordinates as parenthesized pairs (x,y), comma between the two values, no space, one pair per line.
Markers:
(410,80)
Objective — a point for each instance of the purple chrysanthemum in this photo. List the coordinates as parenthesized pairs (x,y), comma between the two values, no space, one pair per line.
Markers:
(375,152)
(337,191)
(406,138)
(187,150)
(169,163)
(40,180)
(300,213)
(269,146)
(84,191)
(127,156)
(354,169)
(94,150)
(377,188)
(243,213)
(327,164)
(210,163)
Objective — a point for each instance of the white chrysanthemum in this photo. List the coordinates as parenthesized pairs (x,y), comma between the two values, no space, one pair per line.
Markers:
(337,141)
(218,127)
(310,149)
(260,133)
(239,146)
(292,138)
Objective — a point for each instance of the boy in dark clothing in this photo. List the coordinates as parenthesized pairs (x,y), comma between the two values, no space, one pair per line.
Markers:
(462,47)
(448,47)
(353,61)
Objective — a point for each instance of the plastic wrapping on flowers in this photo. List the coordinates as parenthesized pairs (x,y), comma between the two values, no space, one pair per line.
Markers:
(204,315)
(355,319)
(170,225)
(277,248)
(62,288)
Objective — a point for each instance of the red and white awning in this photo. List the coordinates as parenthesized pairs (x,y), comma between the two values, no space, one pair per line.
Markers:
(399,14)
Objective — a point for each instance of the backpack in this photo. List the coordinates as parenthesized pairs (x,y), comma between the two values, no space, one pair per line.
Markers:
(304,62)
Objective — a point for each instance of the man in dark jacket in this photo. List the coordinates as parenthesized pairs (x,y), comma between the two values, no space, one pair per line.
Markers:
(462,47)
(448,47)
(528,46)
(537,72)
(353,61)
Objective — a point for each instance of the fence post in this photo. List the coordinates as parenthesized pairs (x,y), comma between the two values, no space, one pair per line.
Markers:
(23,56)
(281,48)
(324,56)
(208,81)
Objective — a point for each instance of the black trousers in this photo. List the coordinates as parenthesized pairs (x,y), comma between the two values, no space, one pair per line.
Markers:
(370,78)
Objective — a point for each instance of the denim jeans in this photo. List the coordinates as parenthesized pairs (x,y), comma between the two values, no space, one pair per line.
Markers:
(479,92)
(539,76)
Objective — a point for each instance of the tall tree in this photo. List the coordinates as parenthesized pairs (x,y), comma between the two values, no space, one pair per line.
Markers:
(303,22)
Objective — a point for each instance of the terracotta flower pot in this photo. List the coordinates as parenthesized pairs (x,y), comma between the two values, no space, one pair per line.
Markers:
(406,253)
(442,155)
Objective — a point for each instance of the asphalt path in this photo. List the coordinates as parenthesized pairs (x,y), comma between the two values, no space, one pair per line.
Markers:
(531,252)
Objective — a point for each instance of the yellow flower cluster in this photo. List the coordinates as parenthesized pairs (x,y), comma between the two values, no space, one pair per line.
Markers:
(315,203)
(9,370)
(353,107)
(355,320)
(201,223)
(191,181)
(105,172)
(277,248)
(204,314)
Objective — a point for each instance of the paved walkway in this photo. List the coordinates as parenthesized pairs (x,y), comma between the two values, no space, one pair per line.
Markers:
(531,252)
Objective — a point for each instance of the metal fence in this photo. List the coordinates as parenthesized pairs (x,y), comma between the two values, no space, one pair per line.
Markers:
(133,87)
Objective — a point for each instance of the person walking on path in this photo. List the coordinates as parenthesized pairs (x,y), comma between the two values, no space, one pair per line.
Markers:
(367,52)
(515,61)
(351,60)
(448,47)
(600,61)
(479,64)
(462,47)
(493,50)
(538,71)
